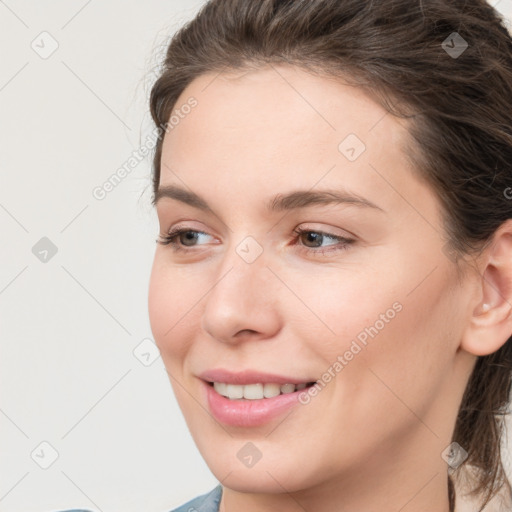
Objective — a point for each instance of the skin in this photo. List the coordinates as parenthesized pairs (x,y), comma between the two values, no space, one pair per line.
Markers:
(372,438)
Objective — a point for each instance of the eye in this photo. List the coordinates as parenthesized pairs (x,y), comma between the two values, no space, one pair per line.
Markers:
(188,240)
(317,237)
(182,239)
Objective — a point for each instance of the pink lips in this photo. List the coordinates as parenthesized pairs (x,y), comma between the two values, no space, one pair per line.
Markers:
(248,413)
(248,377)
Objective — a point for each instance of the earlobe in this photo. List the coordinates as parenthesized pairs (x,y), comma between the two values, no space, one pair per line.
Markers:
(490,324)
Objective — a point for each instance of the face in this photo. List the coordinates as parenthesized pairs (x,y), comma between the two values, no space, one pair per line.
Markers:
(355,294)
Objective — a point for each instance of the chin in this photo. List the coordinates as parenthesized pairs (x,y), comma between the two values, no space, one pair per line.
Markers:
(269,477)
(256,481)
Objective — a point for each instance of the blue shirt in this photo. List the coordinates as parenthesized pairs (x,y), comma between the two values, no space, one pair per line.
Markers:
(208,502)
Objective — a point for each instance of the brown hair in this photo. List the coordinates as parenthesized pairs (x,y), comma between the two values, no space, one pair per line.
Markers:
(402,52)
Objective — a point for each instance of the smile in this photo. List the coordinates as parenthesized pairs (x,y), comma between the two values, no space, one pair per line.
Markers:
(245,405)
(256,391)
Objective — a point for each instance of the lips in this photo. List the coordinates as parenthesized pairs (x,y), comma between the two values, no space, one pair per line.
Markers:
(255,409)
(250,377)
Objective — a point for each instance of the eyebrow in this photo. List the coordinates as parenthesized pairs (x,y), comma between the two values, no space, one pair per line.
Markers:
(280,202)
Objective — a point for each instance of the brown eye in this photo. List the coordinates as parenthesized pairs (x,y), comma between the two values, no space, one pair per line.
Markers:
(185,238)
(311,241)
(312,237)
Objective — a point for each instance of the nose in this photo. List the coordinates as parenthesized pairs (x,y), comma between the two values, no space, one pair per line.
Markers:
(243,303)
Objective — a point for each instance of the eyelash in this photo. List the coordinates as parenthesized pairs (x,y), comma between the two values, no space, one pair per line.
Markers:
(176,232)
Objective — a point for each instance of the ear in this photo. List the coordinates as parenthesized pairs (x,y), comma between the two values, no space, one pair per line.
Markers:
(490,324)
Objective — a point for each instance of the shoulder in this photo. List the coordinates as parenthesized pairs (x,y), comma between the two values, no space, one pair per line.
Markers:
(208,502)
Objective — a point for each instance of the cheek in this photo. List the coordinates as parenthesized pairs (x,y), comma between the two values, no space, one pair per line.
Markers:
(347,303)
(407,353)
(167,308)
(382,319)
(158,303)
(168,304)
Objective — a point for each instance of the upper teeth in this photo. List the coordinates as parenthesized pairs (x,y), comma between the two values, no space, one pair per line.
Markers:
(254,391)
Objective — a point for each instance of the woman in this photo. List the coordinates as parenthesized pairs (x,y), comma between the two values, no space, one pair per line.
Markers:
(332,289)
(331,293)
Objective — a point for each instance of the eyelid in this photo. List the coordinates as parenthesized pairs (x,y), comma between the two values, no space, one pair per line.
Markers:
(343,241)
(331,231)
(330,250)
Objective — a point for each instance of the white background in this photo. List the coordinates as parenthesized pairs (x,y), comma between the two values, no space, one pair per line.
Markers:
(69,326)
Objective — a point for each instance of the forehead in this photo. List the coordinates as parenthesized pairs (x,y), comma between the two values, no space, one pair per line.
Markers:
(280,103)
(285,96)
(272,126)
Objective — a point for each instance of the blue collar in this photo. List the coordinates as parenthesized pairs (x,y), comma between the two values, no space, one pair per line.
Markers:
(208,502)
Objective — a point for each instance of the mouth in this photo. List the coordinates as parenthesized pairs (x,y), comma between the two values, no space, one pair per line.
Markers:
(245,405)
(256,391)
(251,398)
